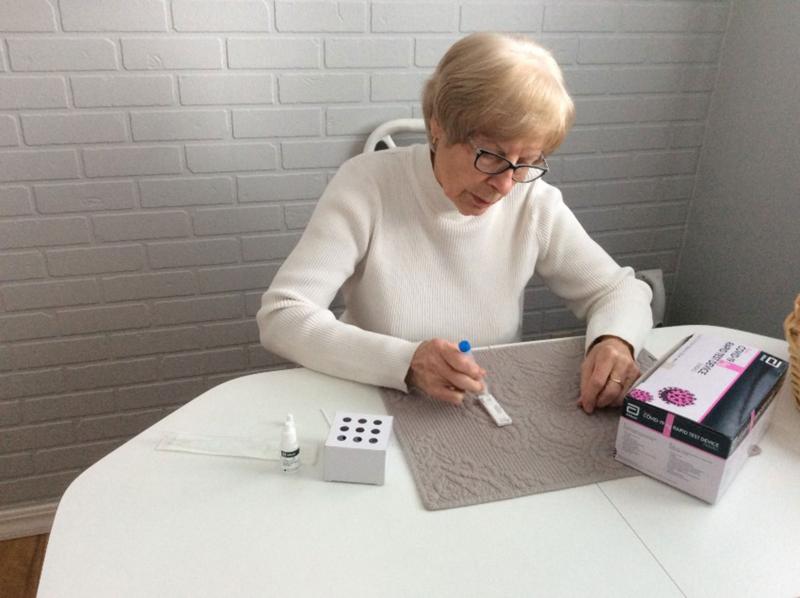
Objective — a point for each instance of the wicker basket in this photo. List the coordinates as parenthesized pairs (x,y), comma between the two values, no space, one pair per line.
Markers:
(792,328)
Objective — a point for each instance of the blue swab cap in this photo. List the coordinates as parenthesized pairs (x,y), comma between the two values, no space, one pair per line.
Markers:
(464,346)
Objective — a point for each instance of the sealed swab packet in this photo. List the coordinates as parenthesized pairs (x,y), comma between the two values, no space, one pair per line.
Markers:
(485,398)
(231,446)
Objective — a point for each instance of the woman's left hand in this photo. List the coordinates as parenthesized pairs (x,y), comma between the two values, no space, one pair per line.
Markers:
(606,373)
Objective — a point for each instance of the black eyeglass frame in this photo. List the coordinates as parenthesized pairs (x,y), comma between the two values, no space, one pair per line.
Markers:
(479,151)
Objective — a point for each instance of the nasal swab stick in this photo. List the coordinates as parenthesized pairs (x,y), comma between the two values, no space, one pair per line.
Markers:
(485,398)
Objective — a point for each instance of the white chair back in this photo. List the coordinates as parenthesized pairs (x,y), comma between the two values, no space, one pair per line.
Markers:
(385,131)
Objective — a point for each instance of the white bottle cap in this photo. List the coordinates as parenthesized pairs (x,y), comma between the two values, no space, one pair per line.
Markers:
(289,434)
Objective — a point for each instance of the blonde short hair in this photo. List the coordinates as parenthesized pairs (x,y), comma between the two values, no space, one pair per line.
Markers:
(504,87)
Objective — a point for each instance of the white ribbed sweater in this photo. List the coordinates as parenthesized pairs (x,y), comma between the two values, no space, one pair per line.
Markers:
(411,268)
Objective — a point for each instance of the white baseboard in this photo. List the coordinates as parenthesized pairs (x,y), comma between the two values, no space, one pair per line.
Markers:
(27,521)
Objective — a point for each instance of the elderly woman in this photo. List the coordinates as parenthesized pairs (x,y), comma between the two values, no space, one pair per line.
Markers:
(433,243)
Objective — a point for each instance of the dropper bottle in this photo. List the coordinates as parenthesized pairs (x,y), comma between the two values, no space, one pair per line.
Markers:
(290,449)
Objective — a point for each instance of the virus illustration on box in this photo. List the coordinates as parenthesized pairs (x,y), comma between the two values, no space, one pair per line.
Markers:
(680,397)
(640,395)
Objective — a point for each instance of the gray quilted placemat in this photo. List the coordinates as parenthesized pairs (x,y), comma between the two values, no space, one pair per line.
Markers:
(459,457)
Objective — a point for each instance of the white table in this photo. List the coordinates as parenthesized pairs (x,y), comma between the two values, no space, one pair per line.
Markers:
(145,522)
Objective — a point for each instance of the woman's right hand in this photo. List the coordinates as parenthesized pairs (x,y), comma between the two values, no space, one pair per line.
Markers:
(443,372)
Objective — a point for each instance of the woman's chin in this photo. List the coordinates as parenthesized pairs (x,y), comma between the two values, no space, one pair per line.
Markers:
(472,210)
(472,205)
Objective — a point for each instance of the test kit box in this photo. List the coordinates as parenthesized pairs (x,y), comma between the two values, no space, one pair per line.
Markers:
(691,420)
(355,450)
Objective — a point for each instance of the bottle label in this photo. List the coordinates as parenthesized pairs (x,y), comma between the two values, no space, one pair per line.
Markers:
(290,454)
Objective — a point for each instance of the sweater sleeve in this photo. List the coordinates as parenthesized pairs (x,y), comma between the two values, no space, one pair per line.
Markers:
(295,320)
(594,286)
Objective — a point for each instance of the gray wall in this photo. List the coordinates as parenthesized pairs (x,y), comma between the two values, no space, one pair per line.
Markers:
(158,161)
(741,263)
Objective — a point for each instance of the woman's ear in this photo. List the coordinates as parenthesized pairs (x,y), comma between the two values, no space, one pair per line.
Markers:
(436,129)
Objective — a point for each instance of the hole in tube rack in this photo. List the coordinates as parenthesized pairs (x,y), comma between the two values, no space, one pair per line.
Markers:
(357,439)
(375,431)
(341,437)
(373,440)
(359,430)
(344,428)
(377,422)
(362,421)
(347,419)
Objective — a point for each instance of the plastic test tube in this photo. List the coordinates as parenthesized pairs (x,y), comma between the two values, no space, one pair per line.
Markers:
(485,398)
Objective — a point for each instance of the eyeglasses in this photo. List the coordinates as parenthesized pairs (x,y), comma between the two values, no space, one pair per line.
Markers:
(490,163)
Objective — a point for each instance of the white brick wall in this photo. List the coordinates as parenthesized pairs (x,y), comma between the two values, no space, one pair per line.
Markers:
(21,266)
(274,53)
(177,254)
(84,197)
(37,165)
(361,121)
(191,15)
(113,15)
(40,232)
(141,225)
(231,157)
(225,89)
(62,54)
(53,129)
(122,90)
(513,17)
(94,260)
(32,92)
(582,17)
(415,17)
(324,88)
(131,160)
(27,15)
(179,124)
(329,17)
(294,122)
(96,319)
(159,159)
(8,131)
(15,201)
(163,192)
(368,53)
(172,53)
(274,187)
(39,295)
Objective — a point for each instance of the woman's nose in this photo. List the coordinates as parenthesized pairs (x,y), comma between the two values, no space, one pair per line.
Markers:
(502,183)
